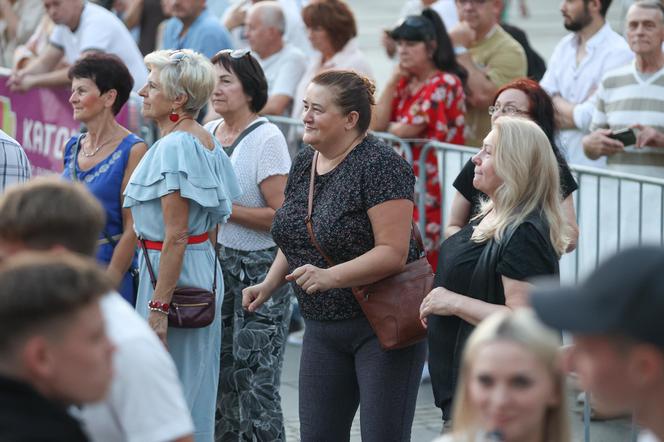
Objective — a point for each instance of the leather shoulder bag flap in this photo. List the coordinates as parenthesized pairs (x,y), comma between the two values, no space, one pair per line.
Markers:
(391,305)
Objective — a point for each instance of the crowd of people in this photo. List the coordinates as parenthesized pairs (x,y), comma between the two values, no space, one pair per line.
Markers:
(146,293)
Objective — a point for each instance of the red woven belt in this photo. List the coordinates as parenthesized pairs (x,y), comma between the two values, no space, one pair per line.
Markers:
(195,239)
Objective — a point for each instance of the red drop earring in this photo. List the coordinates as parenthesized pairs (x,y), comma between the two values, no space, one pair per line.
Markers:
(173,116)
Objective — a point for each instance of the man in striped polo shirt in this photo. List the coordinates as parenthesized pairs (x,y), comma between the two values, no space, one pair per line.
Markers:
(633,97)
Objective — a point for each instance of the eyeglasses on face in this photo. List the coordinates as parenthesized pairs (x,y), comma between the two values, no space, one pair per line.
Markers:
(235,53)
(506,110)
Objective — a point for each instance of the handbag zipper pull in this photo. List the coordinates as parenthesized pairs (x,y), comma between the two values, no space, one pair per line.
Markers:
(177,313)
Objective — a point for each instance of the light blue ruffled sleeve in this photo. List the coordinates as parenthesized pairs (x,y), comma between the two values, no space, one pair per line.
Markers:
(179,162)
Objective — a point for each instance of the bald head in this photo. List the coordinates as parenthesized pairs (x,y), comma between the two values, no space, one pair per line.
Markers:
(265,26)
(270,15)
(64,12)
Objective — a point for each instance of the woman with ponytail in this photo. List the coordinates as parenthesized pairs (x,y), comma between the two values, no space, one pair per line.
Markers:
(425,99)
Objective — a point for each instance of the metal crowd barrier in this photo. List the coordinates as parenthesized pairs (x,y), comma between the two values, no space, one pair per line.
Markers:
(614,210)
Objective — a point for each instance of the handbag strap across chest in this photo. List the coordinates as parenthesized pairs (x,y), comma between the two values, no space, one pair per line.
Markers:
(415,232)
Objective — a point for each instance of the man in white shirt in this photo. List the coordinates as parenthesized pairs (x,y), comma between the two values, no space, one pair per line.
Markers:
(295,34)
(81,28)
(615,317)
(576,67)
(282,63)
(632,96)
(145,402)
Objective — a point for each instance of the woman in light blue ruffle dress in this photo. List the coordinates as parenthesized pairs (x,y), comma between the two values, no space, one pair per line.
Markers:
(180,191)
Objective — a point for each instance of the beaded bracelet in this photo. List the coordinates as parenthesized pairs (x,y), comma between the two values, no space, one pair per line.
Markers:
(159,307)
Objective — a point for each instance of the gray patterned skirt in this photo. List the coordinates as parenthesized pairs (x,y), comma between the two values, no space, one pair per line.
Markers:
(252,349)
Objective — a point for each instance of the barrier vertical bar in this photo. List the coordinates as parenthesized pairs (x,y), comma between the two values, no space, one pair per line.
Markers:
(421,185)
(619,208)
(640,213)
(586,418)
(597,208)
(661,216)
(577,252)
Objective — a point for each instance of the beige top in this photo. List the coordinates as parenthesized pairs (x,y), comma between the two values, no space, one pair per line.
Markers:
(348,58)
(503,60)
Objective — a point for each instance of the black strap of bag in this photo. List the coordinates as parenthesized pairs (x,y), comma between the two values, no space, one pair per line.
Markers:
(230,149)
(153,279)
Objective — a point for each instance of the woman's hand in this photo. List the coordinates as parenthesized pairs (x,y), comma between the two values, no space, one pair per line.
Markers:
(159,323)
(254,296)
(312,279)
(439,301)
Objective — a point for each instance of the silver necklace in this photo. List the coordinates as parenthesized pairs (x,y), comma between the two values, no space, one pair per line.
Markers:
(94,152)
(91,154)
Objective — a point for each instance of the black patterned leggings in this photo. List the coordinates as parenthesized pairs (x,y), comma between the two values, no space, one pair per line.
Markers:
(343,366)
(252,349)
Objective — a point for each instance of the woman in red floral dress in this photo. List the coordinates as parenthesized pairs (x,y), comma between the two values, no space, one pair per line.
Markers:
(425,99)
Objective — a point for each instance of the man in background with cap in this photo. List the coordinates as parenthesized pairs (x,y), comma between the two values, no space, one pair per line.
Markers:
(617,319)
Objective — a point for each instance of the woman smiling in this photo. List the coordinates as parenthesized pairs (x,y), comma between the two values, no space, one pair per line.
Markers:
(361,199)
(105,156)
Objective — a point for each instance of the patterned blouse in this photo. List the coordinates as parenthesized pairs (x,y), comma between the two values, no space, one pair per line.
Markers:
(440,104)
(371,174)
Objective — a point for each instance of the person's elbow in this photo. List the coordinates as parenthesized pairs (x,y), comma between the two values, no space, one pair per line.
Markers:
(276,105)
(450,230)
(394,259)
(572,235)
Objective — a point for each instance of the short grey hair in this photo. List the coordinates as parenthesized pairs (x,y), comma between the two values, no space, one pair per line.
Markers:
(651,4)
(271,15)
(184,72)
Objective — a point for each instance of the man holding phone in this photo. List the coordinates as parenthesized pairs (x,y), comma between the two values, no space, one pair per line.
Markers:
(630,100)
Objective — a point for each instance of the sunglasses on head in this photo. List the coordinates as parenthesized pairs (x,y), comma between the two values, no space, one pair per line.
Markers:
(177,56)
(235,53)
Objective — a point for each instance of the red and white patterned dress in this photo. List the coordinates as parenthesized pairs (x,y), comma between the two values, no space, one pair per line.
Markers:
(440,104)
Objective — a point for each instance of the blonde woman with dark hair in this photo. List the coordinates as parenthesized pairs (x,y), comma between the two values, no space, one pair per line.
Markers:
(518,234)
(511,387)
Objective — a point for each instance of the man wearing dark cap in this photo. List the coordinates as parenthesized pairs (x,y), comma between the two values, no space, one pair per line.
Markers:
(617,319)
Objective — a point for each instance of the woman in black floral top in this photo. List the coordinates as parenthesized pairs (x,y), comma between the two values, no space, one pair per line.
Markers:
(362,213)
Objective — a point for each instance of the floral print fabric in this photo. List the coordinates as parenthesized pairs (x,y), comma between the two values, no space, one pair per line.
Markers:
(248,400)
(440,104)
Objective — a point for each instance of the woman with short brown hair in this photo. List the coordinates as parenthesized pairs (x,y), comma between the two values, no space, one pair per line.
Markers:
(332,30)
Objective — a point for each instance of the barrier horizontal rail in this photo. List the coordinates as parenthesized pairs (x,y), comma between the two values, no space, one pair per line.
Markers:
(614,209)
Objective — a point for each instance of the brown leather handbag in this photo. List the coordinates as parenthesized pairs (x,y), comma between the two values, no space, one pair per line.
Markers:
(190,307)
(391,305)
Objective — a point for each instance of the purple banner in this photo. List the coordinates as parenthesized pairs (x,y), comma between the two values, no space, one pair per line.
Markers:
(41,121)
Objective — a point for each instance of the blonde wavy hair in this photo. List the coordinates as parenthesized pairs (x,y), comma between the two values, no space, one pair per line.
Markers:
(524,329)
(184,72)
(525,162)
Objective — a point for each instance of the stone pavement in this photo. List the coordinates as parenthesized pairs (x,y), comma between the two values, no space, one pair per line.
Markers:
(544,28)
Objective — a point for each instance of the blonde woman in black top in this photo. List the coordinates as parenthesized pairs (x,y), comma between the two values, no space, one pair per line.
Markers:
(519,233)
